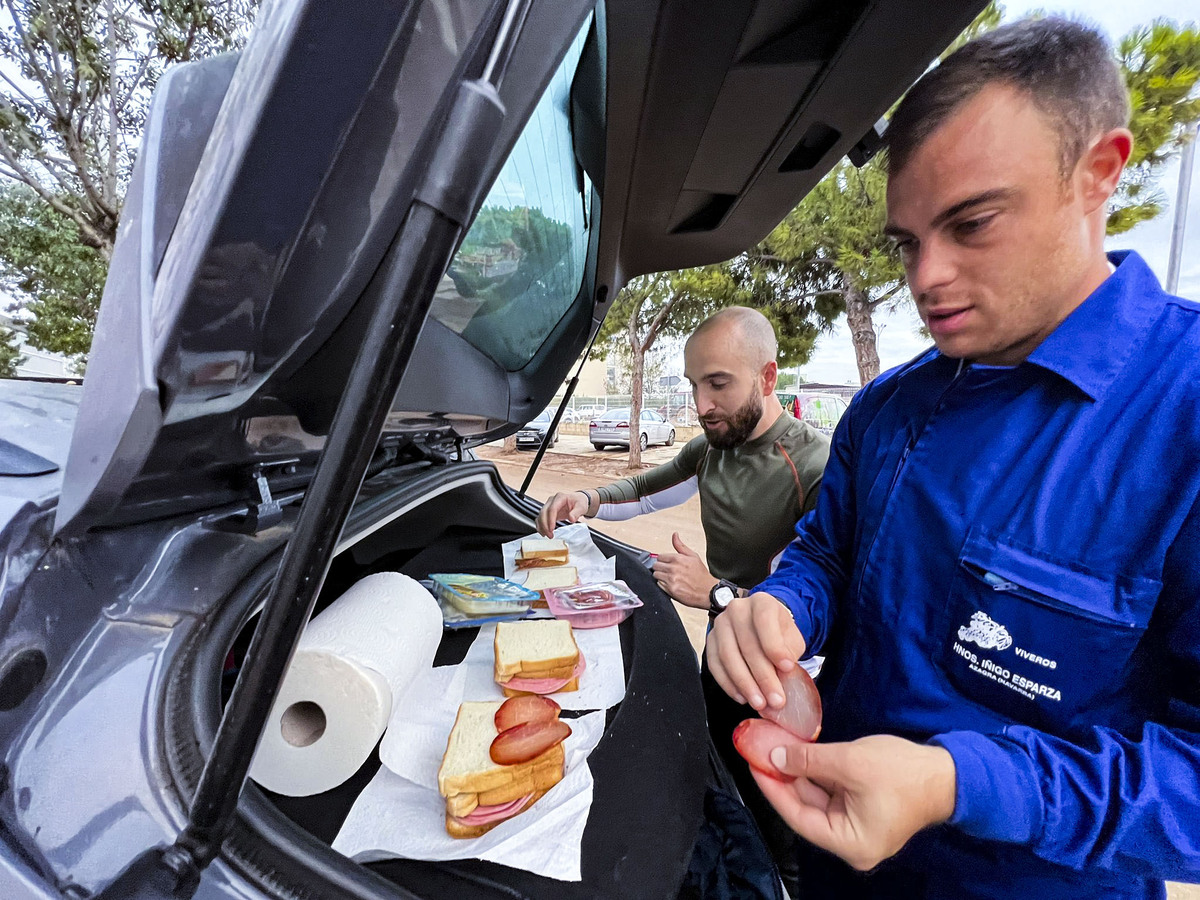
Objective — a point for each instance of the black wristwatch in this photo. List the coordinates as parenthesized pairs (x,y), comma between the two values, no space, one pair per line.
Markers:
(721,596)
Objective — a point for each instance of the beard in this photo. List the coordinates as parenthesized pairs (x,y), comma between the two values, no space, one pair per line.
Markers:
(738,427)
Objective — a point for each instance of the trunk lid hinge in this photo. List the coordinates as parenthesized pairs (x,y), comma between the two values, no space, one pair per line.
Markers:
(265,510)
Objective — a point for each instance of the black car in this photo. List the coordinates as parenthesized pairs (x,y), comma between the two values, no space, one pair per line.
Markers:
(534,431)
(380,235)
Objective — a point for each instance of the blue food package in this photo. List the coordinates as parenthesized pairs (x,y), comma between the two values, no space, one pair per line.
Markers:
(482,595)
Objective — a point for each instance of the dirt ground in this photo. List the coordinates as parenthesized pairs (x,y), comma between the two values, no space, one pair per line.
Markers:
(573,464)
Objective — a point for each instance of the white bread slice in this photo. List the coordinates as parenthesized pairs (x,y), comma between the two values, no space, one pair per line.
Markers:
(558,576)
(468,769)
(533,646)
(532,547)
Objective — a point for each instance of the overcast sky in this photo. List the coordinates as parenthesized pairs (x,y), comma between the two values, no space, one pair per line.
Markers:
(899,339)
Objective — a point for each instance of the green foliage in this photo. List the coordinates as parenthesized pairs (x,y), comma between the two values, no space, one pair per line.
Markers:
(1161,63)
(522,270)
(10,356)
(44,262)
(74,94)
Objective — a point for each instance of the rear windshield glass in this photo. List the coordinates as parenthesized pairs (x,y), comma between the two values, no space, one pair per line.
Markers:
(521,264)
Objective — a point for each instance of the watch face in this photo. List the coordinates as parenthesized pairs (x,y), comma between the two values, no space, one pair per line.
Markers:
(723,596)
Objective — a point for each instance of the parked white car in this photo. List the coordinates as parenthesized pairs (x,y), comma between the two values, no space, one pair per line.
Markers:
(612,429)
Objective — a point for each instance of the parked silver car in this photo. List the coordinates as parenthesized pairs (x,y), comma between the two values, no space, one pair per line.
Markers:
(612,429)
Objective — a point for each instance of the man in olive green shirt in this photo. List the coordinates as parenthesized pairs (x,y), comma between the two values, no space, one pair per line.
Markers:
(757,469)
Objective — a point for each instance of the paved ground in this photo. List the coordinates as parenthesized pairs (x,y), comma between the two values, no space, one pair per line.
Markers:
(574,464)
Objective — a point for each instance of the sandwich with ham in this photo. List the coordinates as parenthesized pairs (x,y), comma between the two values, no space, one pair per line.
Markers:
(542,553)
(500,758)
(537,656)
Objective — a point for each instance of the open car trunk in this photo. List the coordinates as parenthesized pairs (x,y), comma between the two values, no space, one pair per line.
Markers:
(645,814)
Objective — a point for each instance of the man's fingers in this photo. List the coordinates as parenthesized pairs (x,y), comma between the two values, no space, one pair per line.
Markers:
(751,671)
(780,638)
(681,547)
(824,765)
(722,655)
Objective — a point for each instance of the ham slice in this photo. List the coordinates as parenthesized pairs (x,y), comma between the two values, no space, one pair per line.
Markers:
(545,685)
(801,710)
(485,815)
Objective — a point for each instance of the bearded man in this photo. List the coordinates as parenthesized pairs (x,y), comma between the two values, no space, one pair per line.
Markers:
(757,471)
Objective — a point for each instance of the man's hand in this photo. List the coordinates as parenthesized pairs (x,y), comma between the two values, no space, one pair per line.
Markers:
(683,575)
(863,800)
(571,506)
(750,644)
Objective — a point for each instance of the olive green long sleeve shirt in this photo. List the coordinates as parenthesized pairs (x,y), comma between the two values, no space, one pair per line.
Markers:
(750,497)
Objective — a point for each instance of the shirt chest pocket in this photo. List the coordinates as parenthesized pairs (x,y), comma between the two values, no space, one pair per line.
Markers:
(1039,641)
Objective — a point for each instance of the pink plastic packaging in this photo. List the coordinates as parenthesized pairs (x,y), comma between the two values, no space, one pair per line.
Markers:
(596,605)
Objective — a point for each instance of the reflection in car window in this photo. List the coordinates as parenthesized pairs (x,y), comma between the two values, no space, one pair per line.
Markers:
(521,264)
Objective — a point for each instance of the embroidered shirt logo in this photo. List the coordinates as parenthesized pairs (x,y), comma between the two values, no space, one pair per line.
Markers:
(987,633)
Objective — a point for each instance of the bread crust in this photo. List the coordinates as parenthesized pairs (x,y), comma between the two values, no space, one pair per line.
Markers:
(533,669)
(457,830)
(572,685)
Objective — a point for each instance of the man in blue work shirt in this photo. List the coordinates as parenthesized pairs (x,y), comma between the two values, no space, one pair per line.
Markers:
(1004,562)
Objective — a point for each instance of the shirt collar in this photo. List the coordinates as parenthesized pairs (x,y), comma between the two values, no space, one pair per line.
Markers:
(1095,341)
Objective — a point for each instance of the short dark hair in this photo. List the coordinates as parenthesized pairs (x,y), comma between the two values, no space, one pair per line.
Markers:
(1066,68)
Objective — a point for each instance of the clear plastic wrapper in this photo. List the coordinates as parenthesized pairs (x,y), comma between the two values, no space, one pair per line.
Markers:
(482,595)
(595,605)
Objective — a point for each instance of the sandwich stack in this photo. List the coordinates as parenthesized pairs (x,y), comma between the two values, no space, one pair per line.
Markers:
(537,657)
(500,759)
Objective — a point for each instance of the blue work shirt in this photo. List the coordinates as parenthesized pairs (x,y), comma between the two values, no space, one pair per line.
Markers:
(1006,562)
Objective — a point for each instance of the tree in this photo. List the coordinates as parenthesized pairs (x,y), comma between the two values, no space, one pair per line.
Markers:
(72,108)
(833,243)
(653,306)
(44,261)
(10,355)
(1161,63)
(833,246)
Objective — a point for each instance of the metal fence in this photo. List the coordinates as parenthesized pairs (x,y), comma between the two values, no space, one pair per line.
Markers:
(675,407)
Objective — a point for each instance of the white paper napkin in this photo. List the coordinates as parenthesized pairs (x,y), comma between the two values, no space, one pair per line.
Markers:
(394,816)
(585,556)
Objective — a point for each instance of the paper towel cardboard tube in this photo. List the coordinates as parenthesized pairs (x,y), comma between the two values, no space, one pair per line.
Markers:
(354,661)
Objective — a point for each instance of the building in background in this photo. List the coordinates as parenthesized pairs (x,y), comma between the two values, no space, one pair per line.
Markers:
(38,363)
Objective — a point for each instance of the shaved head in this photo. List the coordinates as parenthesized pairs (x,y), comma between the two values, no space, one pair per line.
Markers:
(748,329)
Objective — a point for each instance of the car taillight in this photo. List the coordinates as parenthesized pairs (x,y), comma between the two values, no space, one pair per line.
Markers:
(622,424)
(591,424)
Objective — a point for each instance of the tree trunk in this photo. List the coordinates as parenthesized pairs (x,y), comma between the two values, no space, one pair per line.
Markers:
(862,333)
(635,401)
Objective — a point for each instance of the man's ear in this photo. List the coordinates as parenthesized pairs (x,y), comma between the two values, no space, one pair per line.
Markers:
(1099,169)
(770,376)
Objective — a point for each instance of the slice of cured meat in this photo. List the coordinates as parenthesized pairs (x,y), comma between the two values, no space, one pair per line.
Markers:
(523,742)
(485,815)
(754,740)
(526,708)
(801,710)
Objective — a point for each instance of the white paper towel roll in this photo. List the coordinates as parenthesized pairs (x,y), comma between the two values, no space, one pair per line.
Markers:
(353,662)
